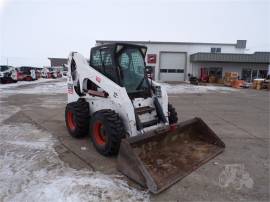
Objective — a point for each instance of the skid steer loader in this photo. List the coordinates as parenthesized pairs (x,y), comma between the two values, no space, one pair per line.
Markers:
(113,98)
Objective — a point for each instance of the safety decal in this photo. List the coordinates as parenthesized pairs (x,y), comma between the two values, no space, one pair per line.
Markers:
(98,79)
(70,88)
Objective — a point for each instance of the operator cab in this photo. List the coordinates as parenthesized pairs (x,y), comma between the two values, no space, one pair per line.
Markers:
(125,65)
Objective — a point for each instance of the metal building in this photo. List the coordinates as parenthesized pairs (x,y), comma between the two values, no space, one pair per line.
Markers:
(174,61)
(57,62)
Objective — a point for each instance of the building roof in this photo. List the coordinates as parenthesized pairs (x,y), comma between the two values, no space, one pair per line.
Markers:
(58,61)
(239,44)
(257,57)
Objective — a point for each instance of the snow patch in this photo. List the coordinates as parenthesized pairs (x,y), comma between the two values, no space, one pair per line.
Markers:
(72,187)
(42,88)
(35,145)
(31,170)
(188,88)
(24,83)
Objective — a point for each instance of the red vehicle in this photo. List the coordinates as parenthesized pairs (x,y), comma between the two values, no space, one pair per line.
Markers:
(26,73)
(52,73)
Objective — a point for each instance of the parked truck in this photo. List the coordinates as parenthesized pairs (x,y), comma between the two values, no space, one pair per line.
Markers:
(8,74)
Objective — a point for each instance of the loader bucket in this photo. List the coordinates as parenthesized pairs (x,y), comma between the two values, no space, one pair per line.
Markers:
(160,158)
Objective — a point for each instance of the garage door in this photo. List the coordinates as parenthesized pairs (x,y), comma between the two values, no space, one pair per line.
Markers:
(172,66)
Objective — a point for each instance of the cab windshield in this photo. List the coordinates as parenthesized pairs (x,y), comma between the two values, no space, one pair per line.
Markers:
(131,62)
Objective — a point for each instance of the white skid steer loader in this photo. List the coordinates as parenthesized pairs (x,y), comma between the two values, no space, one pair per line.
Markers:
(113,98)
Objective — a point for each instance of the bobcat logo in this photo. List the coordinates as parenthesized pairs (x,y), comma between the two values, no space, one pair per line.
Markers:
(236,176)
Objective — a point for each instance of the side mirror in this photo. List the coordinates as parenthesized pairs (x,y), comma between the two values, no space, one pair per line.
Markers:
(148,70)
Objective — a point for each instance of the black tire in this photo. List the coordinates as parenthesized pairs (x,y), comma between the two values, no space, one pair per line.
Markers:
(2,80)
(77,118)
(173,118)
(107,130)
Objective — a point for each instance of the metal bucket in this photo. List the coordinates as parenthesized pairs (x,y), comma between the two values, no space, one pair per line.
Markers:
(159,159)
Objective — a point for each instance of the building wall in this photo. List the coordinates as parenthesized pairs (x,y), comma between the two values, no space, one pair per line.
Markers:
(188,49)
(55,62)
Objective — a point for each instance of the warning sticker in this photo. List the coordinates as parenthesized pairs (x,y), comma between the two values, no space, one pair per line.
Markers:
(70,88)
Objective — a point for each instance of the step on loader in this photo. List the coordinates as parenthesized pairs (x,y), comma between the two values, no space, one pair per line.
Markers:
(112,98)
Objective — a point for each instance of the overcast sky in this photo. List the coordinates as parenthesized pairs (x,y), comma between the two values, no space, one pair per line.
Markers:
(33,30)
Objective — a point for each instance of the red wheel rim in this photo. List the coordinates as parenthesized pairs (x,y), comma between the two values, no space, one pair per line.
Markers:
(99,133)
(173,127)
(70,120)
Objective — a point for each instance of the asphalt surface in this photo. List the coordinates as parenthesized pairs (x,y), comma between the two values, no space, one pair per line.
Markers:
(240,119)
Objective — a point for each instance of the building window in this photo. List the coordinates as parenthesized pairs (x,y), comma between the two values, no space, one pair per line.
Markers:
(254,74)
(215,50)
(172,70)
(262,73)
(180,71)
(250,74)
(163,70)
(215,72)
(246,75)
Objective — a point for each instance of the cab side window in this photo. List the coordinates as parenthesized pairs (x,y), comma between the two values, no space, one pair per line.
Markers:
(102,61)
(95,61)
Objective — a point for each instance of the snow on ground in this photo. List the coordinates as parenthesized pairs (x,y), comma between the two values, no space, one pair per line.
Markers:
(44,88)
(59,86)
(23,83)
(30,169)
(188,88)
(41,86)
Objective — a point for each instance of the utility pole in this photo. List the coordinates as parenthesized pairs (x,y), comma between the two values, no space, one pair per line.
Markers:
(7,61)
